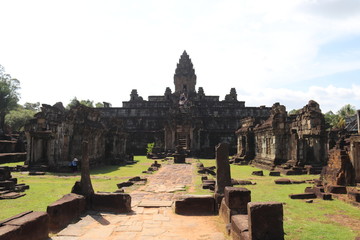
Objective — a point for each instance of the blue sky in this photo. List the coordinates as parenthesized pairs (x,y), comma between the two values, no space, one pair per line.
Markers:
(270,51)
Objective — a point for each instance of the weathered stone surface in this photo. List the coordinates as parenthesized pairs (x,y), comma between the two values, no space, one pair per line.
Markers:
(237,198)
(240,227)
(354,196)
(336,189)
(258,173)
(302,196)
(8,232)
(283,181)
(274,173)
(124,184)
(111,202)
(339,170)
(223,178)
(195,205)
(32,226)
(265,220)
(295,140)
(65,210)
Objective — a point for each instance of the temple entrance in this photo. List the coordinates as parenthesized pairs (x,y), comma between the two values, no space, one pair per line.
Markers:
(183,136)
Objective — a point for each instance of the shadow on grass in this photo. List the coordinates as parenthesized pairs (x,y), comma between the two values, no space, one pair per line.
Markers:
(99,170)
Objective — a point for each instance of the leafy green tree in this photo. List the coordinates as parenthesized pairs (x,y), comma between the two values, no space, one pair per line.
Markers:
(99,105)
(294,111)
(17,118)
(75,102)
(347,111)
(32,106)
(337,121)
(9,95)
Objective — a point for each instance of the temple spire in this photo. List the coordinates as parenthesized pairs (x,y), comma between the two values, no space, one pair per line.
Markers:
(184,77)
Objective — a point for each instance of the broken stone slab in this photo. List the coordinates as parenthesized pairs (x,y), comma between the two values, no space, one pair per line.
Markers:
(12,195)
(237,198)
(297,181)
(65,210)
(309,190)
(282,181)
(336,189)
(325,196)
(258,173)
(31,226)
(124,184)
(111,202)
(266,220)
(240,227)
(206,170)
(274,173)
(223,174)
(204,178)
(303,196)
(36,173)
(8,185)
(195,205)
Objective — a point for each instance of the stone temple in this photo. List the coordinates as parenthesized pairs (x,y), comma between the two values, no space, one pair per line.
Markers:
(185,116)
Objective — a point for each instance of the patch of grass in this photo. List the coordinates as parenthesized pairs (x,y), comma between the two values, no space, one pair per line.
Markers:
(48,188)
(12,164)
(319,220)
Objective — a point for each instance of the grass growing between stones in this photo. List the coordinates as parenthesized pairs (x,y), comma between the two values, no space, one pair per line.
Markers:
(48,188)
(318,220)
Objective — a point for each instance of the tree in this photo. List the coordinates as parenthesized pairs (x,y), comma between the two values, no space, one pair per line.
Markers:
(32,106)
(9,95)
(99,105)
(347,111)
(75,102)
(17,118)
(337,121)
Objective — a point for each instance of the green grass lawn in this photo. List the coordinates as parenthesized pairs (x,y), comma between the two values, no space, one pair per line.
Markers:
(318,220)
(48,188)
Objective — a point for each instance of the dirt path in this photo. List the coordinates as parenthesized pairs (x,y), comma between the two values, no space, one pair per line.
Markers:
(152,216)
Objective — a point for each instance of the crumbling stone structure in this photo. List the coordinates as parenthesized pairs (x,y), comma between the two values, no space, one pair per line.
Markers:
(55,135)
(185,117)
(282,139)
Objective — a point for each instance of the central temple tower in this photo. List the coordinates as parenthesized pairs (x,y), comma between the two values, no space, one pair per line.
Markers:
(184,77)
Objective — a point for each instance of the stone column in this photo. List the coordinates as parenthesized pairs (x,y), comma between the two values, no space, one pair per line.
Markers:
(85,183)
(223,178)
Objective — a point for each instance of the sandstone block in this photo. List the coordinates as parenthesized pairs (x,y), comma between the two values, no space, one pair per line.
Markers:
(237,198)
(65,210)
(266,220)
(111,202)
(195,205)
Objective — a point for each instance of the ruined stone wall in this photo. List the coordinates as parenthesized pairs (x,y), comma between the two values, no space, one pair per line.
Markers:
(55,136)
(355,156)
(298,139)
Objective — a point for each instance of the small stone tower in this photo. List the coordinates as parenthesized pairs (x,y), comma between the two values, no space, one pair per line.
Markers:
(184,77)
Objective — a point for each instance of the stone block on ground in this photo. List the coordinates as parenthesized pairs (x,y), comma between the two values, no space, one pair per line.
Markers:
(65,210)
(195,205)
(274,173)
(282,181)
(302,196)
(266,220)
(124,184)
(258,173)
(237,198)
(336,189)
(29,226)
(111,202)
